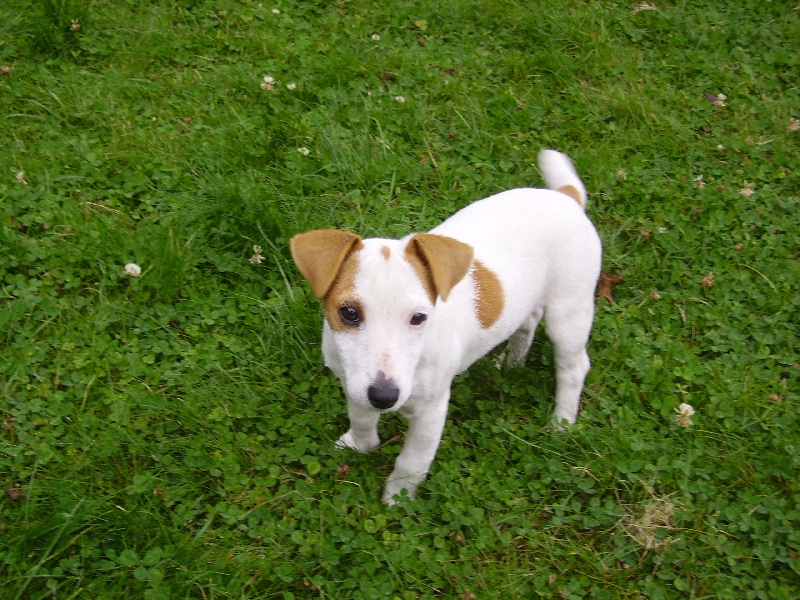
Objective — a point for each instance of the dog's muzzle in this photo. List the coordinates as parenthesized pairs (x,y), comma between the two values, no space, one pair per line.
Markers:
(383,393)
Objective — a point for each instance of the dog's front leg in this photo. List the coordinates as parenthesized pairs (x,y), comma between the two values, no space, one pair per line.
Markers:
(363,432)
(425,425)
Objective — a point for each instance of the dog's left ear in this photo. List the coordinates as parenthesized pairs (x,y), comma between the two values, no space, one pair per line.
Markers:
(319,256)
(445,261)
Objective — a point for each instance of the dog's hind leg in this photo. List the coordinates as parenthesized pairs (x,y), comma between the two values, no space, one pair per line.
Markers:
(520,342)
(568,328)
(363,433)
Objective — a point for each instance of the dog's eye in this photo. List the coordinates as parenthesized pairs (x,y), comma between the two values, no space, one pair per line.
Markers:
(350,315)
(419,318)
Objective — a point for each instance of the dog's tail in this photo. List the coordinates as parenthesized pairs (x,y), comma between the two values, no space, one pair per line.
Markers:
(559,174)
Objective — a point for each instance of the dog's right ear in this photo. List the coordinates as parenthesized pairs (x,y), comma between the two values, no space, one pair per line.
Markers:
(319,256)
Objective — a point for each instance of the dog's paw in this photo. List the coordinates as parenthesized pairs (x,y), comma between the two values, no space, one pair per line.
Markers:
(515,360)
(396,484)
(395,488)
(348,440)
(559,424)
(510,359)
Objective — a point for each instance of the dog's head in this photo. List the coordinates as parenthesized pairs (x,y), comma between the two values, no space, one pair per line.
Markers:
(379,298)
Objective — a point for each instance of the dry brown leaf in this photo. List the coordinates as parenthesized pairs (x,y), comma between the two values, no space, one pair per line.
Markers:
(14,492)
(708,280)
(604,285)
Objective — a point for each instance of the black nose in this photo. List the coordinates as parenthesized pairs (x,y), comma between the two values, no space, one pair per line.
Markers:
(383,393)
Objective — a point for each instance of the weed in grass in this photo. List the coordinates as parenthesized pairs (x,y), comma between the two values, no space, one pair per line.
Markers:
(56,25)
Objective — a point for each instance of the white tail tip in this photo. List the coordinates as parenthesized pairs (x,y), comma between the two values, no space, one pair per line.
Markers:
(559,174)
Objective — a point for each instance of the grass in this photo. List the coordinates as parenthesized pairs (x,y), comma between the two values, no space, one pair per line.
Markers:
(171,435)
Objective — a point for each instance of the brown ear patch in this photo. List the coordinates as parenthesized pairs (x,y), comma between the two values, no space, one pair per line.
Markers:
(440,261)
(423,274)
(490,299)
(572,192)
(320,254)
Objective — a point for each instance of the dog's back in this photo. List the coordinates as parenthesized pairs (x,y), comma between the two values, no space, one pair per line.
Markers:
(526,235)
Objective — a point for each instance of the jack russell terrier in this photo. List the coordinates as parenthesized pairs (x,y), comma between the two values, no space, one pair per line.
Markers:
(404,317)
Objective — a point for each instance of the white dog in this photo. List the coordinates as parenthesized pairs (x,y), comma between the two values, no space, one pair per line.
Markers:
(403,317)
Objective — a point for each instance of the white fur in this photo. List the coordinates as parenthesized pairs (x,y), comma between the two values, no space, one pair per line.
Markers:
(545,252)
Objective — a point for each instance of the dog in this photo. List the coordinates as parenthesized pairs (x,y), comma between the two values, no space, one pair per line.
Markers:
(404,317)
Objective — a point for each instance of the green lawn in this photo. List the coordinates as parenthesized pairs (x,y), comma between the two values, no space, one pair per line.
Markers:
(171,435)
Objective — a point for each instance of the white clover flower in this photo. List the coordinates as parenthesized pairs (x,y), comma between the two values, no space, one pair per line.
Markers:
(747,190)
(257,257)
(268,82)
(276,11)
(304,151)
(698,182)
(20,177)
(132,270)
(662,230)
(400,99)
(376,37)
(291,86)
(684,414)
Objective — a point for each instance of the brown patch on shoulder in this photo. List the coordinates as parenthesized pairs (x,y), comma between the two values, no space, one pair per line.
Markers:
(572,192)
(490,299)
(343,293)
(385,252)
